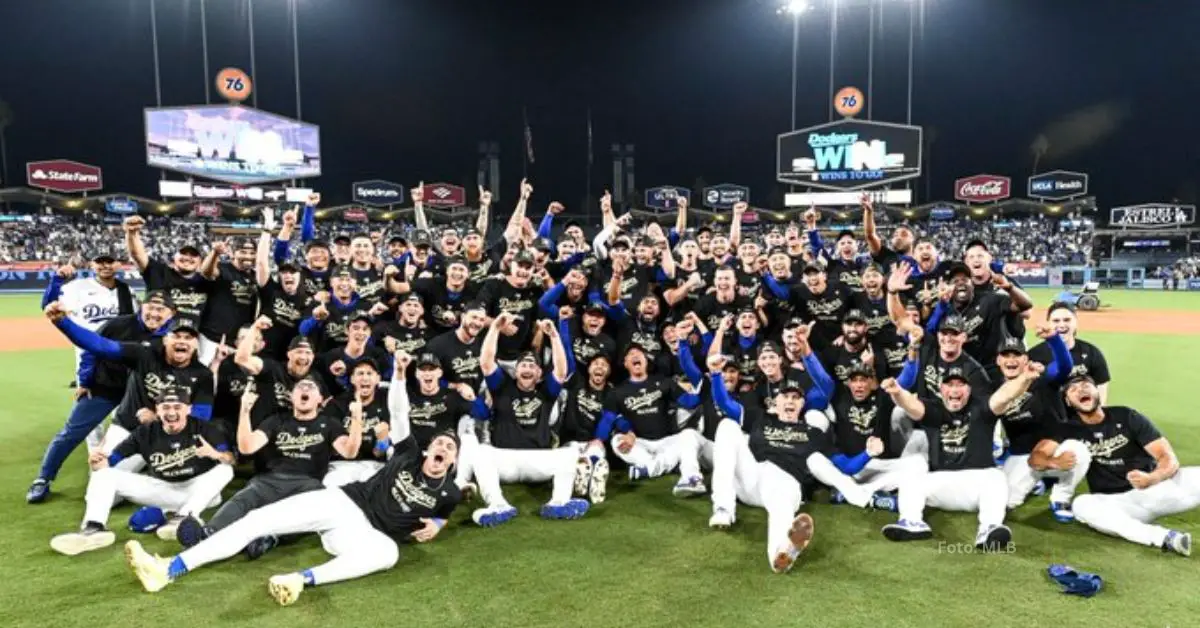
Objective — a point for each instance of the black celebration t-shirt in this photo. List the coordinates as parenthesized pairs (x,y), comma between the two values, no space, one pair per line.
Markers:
(1117,445)
(400,495)
(374,413)
(172,457)
(296,447)
(959,440)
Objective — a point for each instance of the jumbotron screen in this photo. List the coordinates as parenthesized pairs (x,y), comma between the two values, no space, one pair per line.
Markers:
(234,144)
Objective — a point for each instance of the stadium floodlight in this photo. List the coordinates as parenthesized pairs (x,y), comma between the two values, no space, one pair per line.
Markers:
(794,8)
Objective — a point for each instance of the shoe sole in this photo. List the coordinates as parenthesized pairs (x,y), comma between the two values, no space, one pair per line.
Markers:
(136,557)
(76,544)
(286,596)
(689,491)
(897,533)
(996,539)
(799,536)
(598,483)
(583,473)
(721,525)
(167,532)
(495,519)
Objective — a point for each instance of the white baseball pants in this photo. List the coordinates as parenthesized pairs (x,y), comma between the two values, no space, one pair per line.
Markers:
(115,436)
(357,547)
(206,350)
(982,490)
(886,474)
(343,472)
(663,455)
(1022,478)
(468,450)
(1130,515)
(519,466)
(190,497)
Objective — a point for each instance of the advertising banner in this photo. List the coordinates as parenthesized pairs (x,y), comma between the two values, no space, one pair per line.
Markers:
(221,192)
(1152,216)
(355,214)
(64,176)
(377,193)
(206,210)
(1057,185)
(121,206)
(725,195)
(982,188)
(1028,273)
(17,279)
(1193,284)
(445,195)
(663,196)
(849,155)
(232,143)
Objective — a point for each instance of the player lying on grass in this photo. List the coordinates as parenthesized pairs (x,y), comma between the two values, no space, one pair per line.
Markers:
(768,467)
(188,463)
(410,498)
(523,438)
(962,476)
(1133,475)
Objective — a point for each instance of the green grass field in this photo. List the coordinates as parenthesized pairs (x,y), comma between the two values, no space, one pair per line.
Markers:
(643,558)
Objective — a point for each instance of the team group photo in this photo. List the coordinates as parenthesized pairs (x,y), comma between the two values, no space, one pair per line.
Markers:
(873,388)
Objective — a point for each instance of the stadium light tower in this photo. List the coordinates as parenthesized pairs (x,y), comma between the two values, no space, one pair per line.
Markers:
(794,8)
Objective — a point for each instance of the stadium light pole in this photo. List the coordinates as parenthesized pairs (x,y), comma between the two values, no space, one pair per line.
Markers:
(795,9)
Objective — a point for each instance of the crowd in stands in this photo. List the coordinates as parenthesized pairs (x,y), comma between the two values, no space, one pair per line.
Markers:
(58,238)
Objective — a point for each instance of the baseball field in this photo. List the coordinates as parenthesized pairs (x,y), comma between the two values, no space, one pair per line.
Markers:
(643,558)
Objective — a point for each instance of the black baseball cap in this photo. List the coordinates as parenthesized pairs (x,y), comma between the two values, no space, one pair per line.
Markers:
(1012,345)
(413,296)
(854,316)
(420,239)
(342,271)
(396,239)
(359,315)
(288,267)
(174,394)
(595,307)
(813,267)
(956,268)
(634,346)
(1059,305)
(241,244)
(428,360)
(472,231)
(300,342)
(955,372)
(184,325)
(456,259)
(791,386)
(543,244)
(524,256)
(571,223)
(976,243)
(955,323)
(160,297)
(341,238)
(769,346)
(527,356)
(619,243)
(475,305)
(103,258)
(190,249)
(777,250)
(317,244)
(745,309)
(451,229)
(367,362)
(845,233)
(1076,378)
(858,367)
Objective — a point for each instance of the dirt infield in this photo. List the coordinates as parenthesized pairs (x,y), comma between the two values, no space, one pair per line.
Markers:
(24,334)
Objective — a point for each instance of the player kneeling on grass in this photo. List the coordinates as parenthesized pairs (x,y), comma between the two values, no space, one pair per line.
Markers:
(963,475)
(188,464)
(410,498)
(523,438)
(1134,475)
(768,467)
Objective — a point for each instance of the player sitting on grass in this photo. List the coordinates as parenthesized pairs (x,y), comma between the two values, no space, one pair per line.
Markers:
(963,475)
(769,467)
(410,498)
(523,439)
(1133,473)
(189,463)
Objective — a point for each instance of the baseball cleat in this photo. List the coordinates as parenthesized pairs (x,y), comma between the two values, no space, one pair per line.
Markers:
(583,472)
(691,487)
(721,519)
(572,509)
(1062,512)
(151,570)
(836,497)
(190,531)
(469,491)
(1178,542)
(799,536)
(91,537)
(168,530)
(598,482)
(883,500)
(638,473)
(993,538)
(905,530)
(493,516)
(38,492)
(260,546)
(286,588)
(1039,489)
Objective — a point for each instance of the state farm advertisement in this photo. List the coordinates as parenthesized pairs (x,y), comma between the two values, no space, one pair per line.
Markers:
(982,188)
(63,175)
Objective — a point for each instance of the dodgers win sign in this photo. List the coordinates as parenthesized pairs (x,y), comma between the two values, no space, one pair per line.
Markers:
(233,144)
(849,155)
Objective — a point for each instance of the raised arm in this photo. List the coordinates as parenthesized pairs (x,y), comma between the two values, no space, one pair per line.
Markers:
(244,354)
(249,441)
(418,199)
(210,268)
(485,204)
(905,400)
(83,337)
(398,404)
(133,241)
(558,354)
(606,210)
(1013,388)
(721,397)
(487,352)
(262,259)
(349,444)
(735,224)
(308,221)
(874,243)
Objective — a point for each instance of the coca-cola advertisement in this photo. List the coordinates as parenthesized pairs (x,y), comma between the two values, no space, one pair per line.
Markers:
(982,188)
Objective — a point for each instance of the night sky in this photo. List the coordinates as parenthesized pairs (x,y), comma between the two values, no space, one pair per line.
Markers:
(405,89)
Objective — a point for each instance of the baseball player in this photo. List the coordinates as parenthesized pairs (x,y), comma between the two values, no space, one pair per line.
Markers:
(328,322)
(314,275)
(523,440)
(182,280)
(1086,357)
(410,498)
(963,476)
(372,405)
(298,445)
(233,295)
(430,410)
(188,464)
(1131,469)
(100,387)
